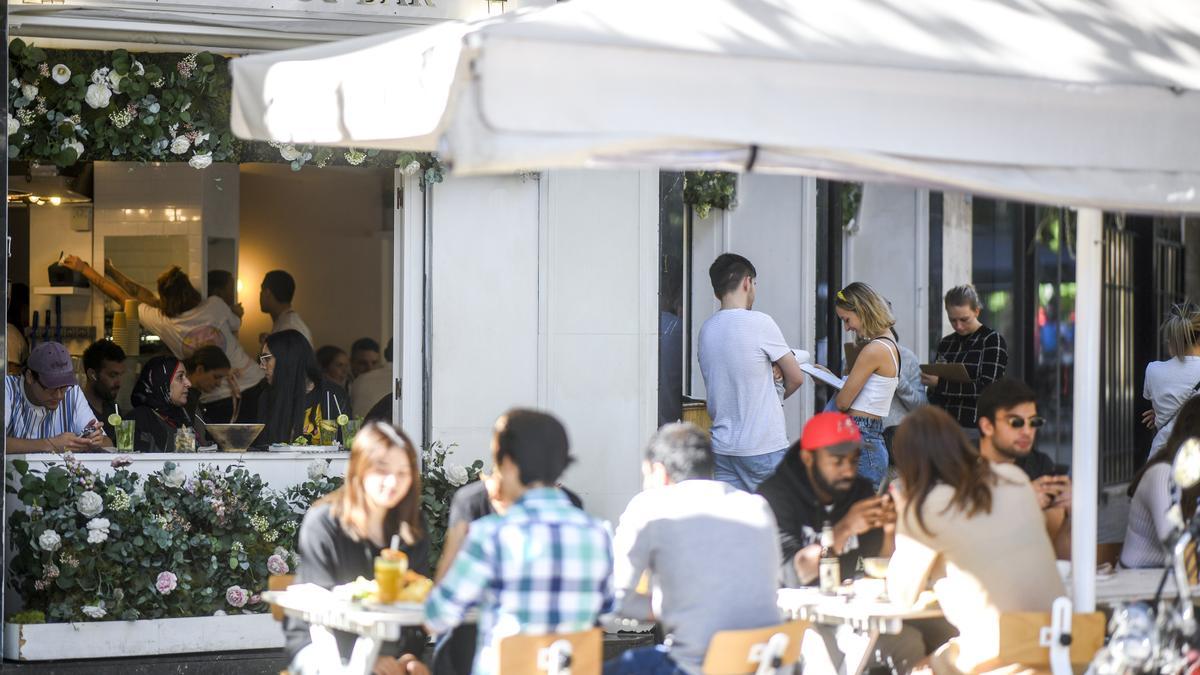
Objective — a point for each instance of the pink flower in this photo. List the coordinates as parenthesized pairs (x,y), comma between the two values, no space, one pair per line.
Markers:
(255,599)
(120,461)
(277,565)
(167,582)
(236,596)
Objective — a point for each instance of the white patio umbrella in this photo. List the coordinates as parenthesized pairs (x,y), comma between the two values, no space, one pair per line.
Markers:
(1077,102)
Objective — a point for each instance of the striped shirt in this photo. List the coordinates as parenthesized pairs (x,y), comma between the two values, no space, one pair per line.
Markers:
(544,567)
(28,421)
(985,356)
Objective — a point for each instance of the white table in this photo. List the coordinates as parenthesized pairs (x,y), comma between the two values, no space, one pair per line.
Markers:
(1132,585)
(320,608)
(868,618)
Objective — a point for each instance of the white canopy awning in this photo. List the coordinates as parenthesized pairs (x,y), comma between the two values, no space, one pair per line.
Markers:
(1060,101)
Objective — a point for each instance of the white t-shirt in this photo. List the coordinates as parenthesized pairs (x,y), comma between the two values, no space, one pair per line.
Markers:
(211,322)
(737,348)
(368,388)
(29,421)
(1168,386)
(290,320)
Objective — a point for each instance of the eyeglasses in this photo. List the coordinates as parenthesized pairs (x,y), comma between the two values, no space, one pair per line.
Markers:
(1019,422)
(56,392)
(264,357)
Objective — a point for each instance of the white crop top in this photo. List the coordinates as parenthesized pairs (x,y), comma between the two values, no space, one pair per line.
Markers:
(875,398)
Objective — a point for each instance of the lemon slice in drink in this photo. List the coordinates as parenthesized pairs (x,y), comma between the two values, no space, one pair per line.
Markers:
(343,420)
(328,425)
(114,419)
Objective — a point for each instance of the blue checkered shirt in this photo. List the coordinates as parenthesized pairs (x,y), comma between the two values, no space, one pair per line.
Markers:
(544,567)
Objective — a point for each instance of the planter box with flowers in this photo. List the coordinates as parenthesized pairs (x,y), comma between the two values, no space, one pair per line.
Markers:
(110,562)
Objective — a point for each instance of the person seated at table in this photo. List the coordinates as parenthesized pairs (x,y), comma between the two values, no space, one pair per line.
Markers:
(298,399)
(1008,423)
(44,408)
(543,567)
(1152,495)
(159,400)
(207,368)
(378,504)
(335,365)
(670,532)
(818,482)
(972,531)
(185,321)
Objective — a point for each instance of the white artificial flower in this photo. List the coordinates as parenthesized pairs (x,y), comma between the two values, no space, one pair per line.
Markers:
(316,469)
(412,168)
(97,530)
(94,611)
(29,91)
(138,68)
(200,160)
(98,96)
(180,145)
(289,153)
(49,541)
(14,125)
(16,82)
(114,80)
(174,478)
(76,145)
(60,74)
(219,612)
(457,475)
(99,76)
(201,138)
(89,504)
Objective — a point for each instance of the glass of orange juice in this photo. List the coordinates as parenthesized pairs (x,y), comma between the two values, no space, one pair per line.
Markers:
(390,566)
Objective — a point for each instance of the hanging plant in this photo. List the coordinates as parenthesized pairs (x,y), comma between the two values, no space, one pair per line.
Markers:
(706,190)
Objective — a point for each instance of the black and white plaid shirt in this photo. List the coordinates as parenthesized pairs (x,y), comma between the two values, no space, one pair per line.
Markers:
(985,356)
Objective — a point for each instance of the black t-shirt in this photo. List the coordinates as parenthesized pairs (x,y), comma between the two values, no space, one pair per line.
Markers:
(1036,464)
(470,503)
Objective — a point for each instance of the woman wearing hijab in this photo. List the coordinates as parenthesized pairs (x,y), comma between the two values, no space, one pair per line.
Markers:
(298,399)
(158,399)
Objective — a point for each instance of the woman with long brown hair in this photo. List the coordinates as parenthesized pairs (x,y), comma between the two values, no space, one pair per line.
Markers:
(378,505)
(970,530)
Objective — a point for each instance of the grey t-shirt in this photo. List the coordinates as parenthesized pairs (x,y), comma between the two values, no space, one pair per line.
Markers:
(712,553)
(737,348)
(1169,384)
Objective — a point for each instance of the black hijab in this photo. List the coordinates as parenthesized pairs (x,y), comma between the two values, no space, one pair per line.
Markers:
(153,390)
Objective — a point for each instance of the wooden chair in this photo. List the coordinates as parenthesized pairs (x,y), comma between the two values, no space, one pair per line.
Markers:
(581,653)
(759,650)
(1024,638)
(279,582)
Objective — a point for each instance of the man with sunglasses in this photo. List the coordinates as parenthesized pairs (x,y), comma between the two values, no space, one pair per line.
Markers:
(44,408)
(1008,424)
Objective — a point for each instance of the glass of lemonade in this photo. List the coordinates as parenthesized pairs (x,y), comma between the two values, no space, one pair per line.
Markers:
(124,432)
(350,431)
(329,432)
(389,572)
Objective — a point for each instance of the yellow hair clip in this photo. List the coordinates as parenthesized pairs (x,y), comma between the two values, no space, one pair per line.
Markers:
(842,296)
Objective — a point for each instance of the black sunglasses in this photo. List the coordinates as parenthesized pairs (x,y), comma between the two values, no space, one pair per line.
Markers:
(1019,422)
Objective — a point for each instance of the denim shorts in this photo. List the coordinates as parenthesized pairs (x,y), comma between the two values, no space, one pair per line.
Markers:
(745,473)
(873,462)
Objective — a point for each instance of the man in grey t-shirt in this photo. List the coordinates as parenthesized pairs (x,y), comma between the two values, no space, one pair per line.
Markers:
(670,533)
(738,347)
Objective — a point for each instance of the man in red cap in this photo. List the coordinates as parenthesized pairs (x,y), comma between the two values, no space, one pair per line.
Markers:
(44,408)
(818,482)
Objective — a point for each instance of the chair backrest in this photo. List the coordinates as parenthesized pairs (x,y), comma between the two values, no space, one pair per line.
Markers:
(1020,639)
(732,652)
(519,654)
(279,582)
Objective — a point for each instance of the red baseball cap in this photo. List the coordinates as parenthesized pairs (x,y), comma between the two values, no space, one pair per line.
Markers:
(833,431)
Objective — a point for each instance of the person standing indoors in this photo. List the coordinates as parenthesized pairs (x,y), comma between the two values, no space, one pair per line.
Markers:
(972,531)
(871,384)
(44,408)
(103,370)
(1171,383)
(738,348)
(275,298)
(980,349)
(185,322)
(222,284)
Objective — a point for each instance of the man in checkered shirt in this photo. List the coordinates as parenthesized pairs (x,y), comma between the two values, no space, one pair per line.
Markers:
(544,566)
(980,349)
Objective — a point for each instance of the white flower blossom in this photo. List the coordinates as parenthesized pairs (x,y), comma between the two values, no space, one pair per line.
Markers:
(289,153)
(174,478)
(49,541)
(60,74)
(200,160)
(16,83)
(89,503)
(457,475)
(98,96)
(29,91)
(316,469)
(180,145)
(94,611)
(137,68)
(97,530)
(76,145)
(114,81)
(14,125)
(412,168)
(202,138)
(100,76)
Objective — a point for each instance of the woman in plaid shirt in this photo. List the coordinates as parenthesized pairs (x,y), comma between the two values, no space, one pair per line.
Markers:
(980,349)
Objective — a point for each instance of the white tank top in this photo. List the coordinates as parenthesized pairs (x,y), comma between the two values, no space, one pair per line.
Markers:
(875,398)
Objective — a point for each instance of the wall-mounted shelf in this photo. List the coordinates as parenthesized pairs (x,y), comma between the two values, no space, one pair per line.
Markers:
(63,291)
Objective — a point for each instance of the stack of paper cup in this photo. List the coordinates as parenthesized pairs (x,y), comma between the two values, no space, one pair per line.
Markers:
(120,330)
(133,328)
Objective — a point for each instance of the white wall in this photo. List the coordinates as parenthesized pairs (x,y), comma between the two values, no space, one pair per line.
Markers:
(956,246)
(890,251)
(767,228)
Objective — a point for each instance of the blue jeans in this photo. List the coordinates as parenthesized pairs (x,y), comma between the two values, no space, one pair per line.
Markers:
(873,462)
(643,661)
(745,473)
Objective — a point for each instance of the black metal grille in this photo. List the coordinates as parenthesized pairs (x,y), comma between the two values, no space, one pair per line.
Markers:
(1117,417)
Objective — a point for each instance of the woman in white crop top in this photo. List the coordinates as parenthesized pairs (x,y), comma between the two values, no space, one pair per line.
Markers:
(867,394)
